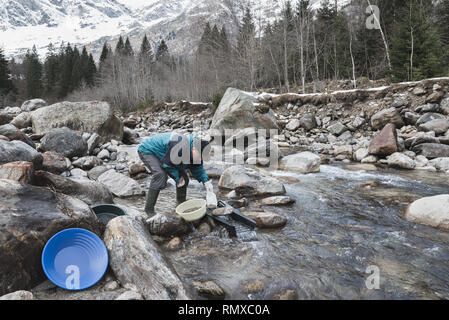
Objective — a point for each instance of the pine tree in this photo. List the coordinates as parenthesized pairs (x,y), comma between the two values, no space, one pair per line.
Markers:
(51,72)
(246,31)
(66,62)
(146,52)
(33,74)
(128,50)
(5,81)
(162,52)
(120,47)
(416,47)
(91,70)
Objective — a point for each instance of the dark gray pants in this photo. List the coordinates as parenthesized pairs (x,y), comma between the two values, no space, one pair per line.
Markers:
(160,176)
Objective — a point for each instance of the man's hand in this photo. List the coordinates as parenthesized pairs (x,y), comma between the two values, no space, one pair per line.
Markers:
(211,198)
(181,183)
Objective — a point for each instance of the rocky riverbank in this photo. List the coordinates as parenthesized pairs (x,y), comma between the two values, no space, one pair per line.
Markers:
(58,160)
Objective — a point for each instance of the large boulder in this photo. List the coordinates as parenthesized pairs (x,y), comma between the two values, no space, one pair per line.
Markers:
(12,133)
(33,104)
(400,160)
(91,192)
(54,162)
(121,185)
(239,110)
(266,219)
(304,162)
(64,141)
(249,182)
(29,217)
(439,126)
(432,211)
(136,260)
(11,151)
(82,117)
(385,143)
(383,117)
(432,150)
(5,118)
(167,226)
(20,171)
(23,120)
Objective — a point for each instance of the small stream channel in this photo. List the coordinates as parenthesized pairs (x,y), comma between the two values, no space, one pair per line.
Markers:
(343,221)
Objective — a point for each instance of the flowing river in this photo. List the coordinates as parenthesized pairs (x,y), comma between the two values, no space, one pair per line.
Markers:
(344,222)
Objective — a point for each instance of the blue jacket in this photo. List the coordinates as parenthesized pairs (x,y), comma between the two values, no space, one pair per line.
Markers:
(160,146)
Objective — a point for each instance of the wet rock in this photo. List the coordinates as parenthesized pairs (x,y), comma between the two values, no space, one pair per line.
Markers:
(304,162)
(23,120)
(167,226)
(432,150)
(432,211)
(12,133)
(370,159)
(20,171)
(92,116)
(238,110)
(64,141)
(441,164)
(18,295)
(384,117)
(209,289)
(223,211)
(174,244)
(120,185)
(385,143)
(130,295)
(91,192)
(204,228)
(277,201)
(135,259)
(19,151)
(267,219)
(249,182)
(401,161)
(287,294)
(33,104)
(421,161)
(253,286)
(439,126)
(29,217)
(87,163)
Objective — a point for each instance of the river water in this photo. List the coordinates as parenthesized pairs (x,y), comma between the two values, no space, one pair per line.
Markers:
(345,224)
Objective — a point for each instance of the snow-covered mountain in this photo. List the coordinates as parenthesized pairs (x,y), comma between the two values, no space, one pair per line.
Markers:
(24,23)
